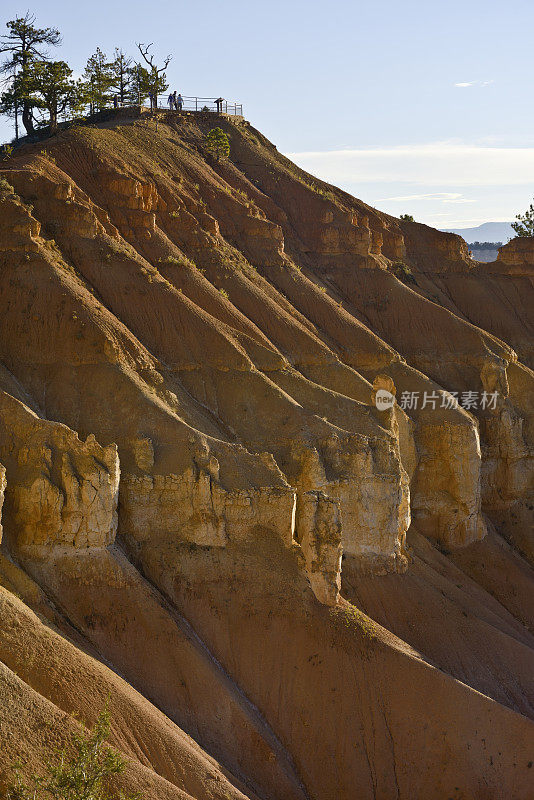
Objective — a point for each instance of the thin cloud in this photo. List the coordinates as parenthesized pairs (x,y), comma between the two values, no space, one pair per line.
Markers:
(466,84)
(444,196)
(444,164)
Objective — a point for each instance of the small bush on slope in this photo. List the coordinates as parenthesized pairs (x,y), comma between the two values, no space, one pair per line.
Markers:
(403,272)
(217,143)
(6,187)
(80,771)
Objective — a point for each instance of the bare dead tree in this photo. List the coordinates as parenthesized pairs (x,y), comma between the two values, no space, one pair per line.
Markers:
(157,74)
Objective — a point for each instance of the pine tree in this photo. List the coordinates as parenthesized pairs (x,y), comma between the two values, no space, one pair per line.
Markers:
(55,91)
(121,72)
(137,89)
(11,99)
(145,82)
(217,143)
(81,771)
(99,78)
(525,223)
(24,44)
(142,83)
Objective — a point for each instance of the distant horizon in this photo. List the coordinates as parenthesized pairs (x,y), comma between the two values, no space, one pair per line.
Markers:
(432,122)
(482,225)
(489,221)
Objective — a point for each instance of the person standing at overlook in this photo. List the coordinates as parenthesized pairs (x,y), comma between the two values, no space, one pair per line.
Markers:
(179,102)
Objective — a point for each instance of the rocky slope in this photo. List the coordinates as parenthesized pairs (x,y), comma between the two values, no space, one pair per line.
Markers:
(286,591)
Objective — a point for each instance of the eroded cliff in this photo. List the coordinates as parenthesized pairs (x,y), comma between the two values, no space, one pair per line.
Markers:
(201,492)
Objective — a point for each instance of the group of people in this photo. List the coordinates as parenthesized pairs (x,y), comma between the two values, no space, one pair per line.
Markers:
(175,102)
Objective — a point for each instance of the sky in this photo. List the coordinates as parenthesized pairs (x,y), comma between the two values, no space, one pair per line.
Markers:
(415,107)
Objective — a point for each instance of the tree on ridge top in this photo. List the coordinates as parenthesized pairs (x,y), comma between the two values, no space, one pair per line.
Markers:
(99,77)
(525,223)
(157,78)
(55,90)
(122,76)
(24,44)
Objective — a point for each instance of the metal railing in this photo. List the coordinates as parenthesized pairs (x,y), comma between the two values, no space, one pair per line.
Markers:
(190,104)
(213,104)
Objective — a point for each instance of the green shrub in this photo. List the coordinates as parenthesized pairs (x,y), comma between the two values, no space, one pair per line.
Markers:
(317,189)
(6,187)
(46,154)
(81,771)
(217,143)
(169,260)
(403,272)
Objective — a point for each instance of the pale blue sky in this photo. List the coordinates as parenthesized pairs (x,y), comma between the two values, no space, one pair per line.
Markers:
(367,95)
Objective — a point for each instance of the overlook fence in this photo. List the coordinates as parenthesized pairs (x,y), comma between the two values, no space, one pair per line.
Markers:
(190,104)
(204,104)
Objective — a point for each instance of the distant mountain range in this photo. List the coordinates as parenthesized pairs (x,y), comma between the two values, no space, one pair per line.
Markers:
(487,232)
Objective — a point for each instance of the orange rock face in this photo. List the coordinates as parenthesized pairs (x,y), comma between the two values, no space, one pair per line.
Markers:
(288,588)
